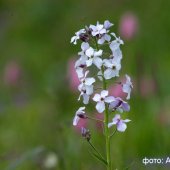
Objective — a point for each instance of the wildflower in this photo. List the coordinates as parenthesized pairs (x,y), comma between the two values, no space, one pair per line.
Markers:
(120,123)
(93,57)
(77,36)
(79,114)
(86,87)
(116,43)
(98,29)
(127,87)
(113,68)
(105,37)
(80,65)
(101,99)
(119,105)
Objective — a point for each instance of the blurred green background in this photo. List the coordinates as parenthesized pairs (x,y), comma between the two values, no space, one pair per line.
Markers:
(38,102)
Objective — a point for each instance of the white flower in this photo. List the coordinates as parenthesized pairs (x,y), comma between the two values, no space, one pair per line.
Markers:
(76,119)
(98,29)
(86,87)
(127,87)
(77,36)
(120,123)
(80,65)
(104,37)
(101,99)
(93,57)
(113,68)
(115,43)
(117,54)
(84,46)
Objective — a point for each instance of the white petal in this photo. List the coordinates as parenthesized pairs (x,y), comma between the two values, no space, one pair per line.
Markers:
(84,46)
(104,93)
(109,99)
(76,120)
(121,126)
(89,90)
(114,45)
(101,40)
(100,107)
(98,62)
(108,73)
(79,72)
(107,63)
(89,62)
(89,81)
(81,109)
(85,98)
(107,37)
(98,53)
(103,31)
(96,97)
(90,52)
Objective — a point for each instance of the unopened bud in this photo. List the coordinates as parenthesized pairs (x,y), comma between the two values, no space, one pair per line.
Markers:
(85,133)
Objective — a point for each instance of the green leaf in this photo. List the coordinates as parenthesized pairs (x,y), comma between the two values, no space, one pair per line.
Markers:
(98,157)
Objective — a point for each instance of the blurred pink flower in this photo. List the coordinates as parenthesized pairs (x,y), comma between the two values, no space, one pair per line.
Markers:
(72,75)
(116,89)
(99,125)
(12,73)
(128,26)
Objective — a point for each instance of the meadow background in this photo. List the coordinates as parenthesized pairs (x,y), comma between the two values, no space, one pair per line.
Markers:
(38,98)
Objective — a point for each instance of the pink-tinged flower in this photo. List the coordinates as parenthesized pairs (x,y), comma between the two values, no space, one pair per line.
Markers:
(119,105)
(80,113)
(72,75)
(12,73)
(128,26)
(101,99)
(120,123)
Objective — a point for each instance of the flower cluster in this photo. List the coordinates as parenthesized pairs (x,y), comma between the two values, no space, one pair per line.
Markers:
(95,39)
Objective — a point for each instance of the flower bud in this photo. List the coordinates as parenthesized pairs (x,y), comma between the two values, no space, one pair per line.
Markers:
(85,134)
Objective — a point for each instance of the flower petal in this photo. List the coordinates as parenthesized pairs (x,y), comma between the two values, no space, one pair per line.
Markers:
(96,97)
(100,106)
(89,81)
(90,52)
(98,62)
(109,99)
(85,98)
(121,126)
(104,93)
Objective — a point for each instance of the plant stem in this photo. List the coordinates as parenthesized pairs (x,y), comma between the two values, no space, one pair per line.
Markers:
(107,132)
(106,120)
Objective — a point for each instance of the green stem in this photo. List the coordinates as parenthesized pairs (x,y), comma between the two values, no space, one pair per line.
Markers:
(107,132)
(106,121)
